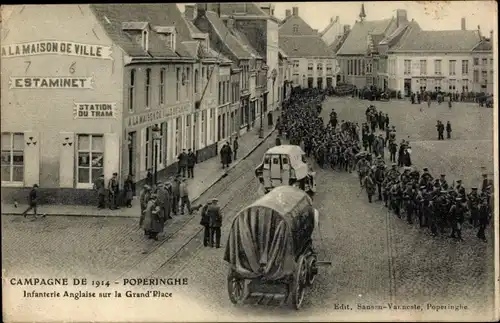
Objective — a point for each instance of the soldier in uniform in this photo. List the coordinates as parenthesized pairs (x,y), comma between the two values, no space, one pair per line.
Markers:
(205,222)
(442,182)
(396,195)
(369,184)
(441,211)
(457,216)
(483,219)
(461,190)
(425,178)
(215,221)
(113,191)
(379,179)
(100,187)
(485,182)
(363,166)
(409,196)
(474,202)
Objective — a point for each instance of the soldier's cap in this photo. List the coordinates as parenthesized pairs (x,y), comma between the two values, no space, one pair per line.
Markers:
(474,188)
(394,164)
(459,181)
(485,175)
(443,175)
(422,187)
(214,199)
(443,192)
(426,169)
(115,174)
(458,199)
(147,187)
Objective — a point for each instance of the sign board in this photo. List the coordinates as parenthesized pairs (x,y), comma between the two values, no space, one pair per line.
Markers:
(156,115)
(55,47)
(69,82)
(94,110)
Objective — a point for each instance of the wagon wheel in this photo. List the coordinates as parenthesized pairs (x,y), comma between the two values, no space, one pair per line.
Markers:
(299,283)
(235,287)
(312,270)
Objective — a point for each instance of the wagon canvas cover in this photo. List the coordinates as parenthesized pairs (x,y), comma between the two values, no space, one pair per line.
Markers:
(266,237)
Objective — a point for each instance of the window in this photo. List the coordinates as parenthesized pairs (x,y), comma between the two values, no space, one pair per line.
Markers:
(465,85)
(485,61)
(295,29)
(320,68)
(356,67)
(407,67)
(453,84)
(131,91)
(90,158)
(452,67)
(145,40)
(438,85)
(228,99)
(423,84)
(484,76)
(369,68)
(147,91)
(475,77)
(220,93)
(296,64)
(149,148)
(423,67)
(310,67)
(187,82)
(364,68)
(12,157)
(203,77)
(437,66)
(170,40)
(329,68)
(178,85)
(161,139)
(212,124)
(203,128)
(476,61)
(465,67)
(196,86)
(491,61)
(161,90)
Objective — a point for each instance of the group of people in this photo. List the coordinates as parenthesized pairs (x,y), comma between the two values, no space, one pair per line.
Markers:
(436,204)
(440,129)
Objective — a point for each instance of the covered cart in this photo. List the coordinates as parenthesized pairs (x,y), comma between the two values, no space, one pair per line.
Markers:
(269,248)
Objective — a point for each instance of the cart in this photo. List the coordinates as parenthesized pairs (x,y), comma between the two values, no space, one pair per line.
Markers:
(270,251)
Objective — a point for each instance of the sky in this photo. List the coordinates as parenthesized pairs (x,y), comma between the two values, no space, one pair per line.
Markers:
(430,15)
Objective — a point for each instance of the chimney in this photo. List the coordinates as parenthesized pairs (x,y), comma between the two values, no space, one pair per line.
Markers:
(491,36)
(315,31)
(401,17)
(295,11)
(463,26)
(288,13)
(230,23)
(189,12)
(347,28)
(331,20)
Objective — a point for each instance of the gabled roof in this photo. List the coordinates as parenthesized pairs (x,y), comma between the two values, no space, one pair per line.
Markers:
(249,8)
(330,25)
(286,28)
(304,46)
(111,17)
(245,42)
(483,45)
(438,40)
(224,35)
(356,42)
(192,28)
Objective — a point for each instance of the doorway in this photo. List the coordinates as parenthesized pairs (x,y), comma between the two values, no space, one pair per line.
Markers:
(407,87)
(132,150)
(320,83)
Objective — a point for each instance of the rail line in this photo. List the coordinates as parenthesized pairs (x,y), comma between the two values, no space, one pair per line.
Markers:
(241,171)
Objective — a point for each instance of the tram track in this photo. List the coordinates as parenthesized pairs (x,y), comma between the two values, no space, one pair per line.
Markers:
(216,191)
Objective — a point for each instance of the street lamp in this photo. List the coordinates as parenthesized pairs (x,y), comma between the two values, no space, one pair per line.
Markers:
(156,137)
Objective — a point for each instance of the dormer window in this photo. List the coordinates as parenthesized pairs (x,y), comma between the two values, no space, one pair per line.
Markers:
(168,34)
(295,29)
(145,39)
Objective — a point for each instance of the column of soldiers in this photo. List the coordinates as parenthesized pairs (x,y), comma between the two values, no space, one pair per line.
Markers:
(436,204)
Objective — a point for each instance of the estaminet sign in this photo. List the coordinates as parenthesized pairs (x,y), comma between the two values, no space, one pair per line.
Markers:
(51,82)
(57,47)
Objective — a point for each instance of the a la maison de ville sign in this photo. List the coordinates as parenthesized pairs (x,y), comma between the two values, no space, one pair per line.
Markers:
(154,116)
(45,47)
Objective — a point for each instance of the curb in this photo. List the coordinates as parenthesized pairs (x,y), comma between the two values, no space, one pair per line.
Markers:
(234,164)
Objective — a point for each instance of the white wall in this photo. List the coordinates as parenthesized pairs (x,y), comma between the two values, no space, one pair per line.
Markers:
(272,62)
(331,34)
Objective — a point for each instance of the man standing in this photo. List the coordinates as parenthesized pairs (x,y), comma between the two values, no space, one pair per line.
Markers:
(191,161)
(370,185)
(457,215)
(474,203)
(215,217)
(113,189)
(371,139)
(182,160)
(184,196)
(205,222)
(175,195)
(440,130)
(448,130)
(33,201)
(143,200)
(484,218)
(236,146)
(100,187)
(485,184)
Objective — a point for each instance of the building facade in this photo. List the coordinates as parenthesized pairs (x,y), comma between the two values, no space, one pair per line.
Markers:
(433,61)
(110,104)
(483,74)
(313,64)
(333,31)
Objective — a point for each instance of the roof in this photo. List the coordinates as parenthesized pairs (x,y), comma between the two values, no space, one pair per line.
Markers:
(233,45)
(355,43)
(245,42)
(249,8)
(111,17)
(438,40)
(285,149)
(483,45)
(287,27)
(282,199)
(330,25)
(304,46)
(192,28)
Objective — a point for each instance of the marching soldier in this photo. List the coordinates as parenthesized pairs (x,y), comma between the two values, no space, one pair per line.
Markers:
(215,221)
(461,190)
(409,197)
(363,166)
(474,203)
(483,219)
(441,211)
(205,222)
(100,187)
(370,185)
(113,191)
(485,182)
(442,182)
(396,195)
(457,216)
(379,179)
(425,178)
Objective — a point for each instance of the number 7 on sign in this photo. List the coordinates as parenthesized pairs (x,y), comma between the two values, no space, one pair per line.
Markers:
(28,64)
